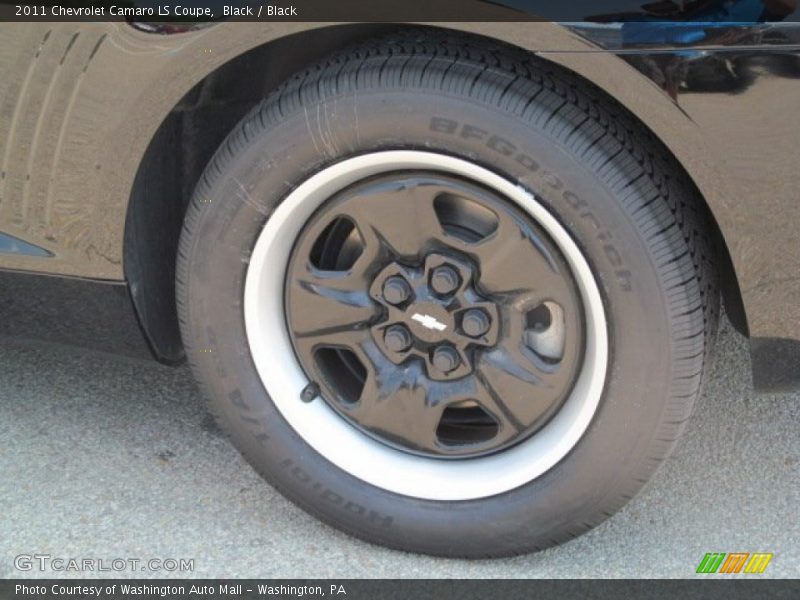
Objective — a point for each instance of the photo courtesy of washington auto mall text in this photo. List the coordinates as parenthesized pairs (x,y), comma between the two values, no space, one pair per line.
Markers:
(198,590)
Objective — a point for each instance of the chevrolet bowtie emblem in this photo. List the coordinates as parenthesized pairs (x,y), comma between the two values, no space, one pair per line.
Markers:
(428,322)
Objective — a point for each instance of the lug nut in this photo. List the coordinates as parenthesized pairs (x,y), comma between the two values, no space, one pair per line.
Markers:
(397,338)
(444,280)
(475,322)
(446,359)
(396,290)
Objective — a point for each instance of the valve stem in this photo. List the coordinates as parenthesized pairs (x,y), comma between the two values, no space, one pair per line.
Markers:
(310,392)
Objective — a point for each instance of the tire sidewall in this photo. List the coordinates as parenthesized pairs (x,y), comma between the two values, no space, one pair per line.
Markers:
(258,174)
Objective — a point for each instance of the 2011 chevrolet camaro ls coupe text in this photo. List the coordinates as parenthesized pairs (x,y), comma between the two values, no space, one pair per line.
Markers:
(450,287)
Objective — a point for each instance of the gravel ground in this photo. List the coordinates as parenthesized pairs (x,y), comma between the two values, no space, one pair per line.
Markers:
(108,457)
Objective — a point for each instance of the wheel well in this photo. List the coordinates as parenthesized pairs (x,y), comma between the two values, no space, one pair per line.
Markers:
(177,155)
(195,128)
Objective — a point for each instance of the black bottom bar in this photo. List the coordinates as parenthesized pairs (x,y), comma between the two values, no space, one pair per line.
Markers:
(732,588)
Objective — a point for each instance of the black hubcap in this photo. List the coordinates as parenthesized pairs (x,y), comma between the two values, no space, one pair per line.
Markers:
(434,314)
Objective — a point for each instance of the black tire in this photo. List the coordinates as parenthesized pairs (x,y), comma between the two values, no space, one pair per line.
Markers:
(632,211)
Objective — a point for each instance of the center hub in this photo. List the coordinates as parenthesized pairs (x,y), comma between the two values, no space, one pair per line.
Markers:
(429,322)
(434,313)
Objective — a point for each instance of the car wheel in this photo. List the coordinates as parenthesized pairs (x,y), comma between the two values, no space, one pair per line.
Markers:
(446,298)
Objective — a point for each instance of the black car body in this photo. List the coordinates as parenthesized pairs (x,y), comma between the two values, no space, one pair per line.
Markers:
(106,126)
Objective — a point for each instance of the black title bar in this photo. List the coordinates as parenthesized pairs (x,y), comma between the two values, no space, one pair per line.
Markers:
(209,11)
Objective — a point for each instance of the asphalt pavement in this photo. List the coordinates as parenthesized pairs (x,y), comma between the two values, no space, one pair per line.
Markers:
(104,457)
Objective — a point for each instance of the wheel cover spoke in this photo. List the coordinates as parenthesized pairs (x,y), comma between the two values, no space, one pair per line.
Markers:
(525,395)
(398,219)
(397,405)
(324,302)
(516,258)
